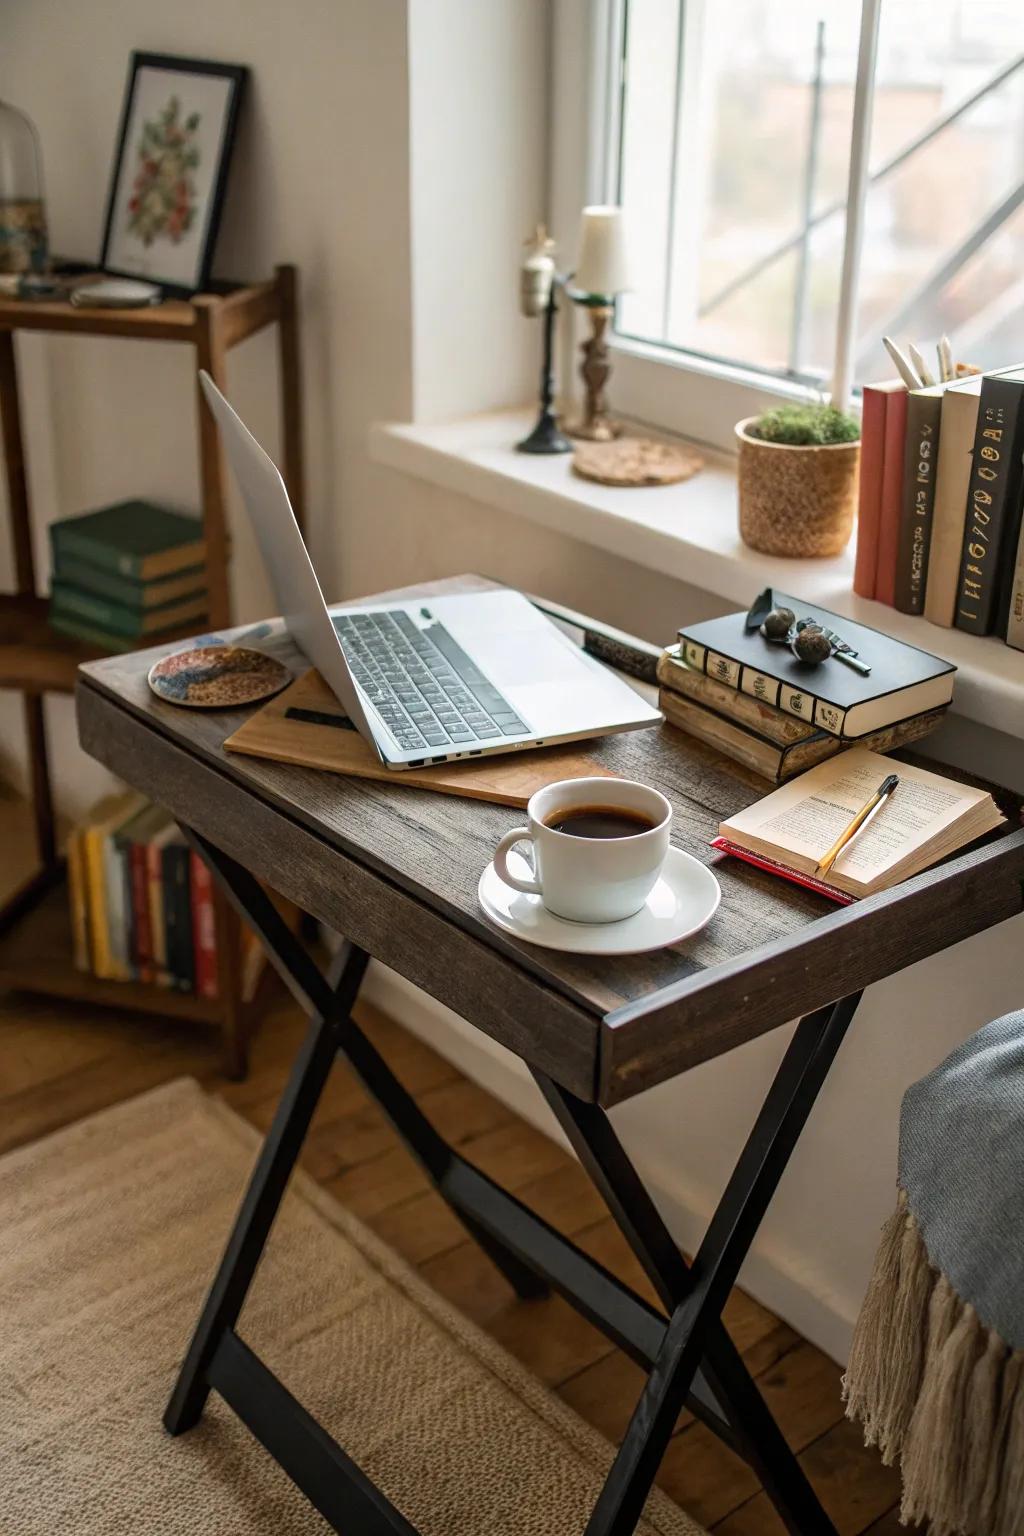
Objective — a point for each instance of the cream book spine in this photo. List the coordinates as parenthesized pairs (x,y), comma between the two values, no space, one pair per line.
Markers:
(952,482)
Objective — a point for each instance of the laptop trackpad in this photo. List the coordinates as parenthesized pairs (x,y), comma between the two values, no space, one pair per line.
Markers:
(539,670)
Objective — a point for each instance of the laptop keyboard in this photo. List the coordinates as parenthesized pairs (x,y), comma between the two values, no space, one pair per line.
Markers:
(425,688)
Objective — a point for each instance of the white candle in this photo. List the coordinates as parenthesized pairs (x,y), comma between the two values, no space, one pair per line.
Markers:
(603,267)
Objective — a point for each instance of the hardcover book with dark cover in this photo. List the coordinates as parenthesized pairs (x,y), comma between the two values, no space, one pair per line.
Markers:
(924,410)
(904,681)
(992,503)
(132,538)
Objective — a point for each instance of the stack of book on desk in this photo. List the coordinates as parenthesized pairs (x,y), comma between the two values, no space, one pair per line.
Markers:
(761,706)
(127,575)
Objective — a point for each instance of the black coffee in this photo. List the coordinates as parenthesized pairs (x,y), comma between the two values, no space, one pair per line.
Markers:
(600,821)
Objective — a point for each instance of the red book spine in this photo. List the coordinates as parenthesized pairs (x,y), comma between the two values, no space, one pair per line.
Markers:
(762,861)
(204,936)
(143,930)
(869,509)
(892,498)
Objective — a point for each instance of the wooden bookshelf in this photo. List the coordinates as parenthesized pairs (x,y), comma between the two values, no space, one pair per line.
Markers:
(40,945)
(35,931)
(36,658)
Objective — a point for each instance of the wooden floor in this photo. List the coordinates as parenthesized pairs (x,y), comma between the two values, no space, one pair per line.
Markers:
(58,1063)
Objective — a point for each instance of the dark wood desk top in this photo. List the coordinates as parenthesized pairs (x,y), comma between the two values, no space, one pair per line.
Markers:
(396,869)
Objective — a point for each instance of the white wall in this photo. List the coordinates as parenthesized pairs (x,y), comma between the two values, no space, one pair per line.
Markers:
(478,187)
(320,178)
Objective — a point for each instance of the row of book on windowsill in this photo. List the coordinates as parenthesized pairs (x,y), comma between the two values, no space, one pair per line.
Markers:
(941,501)
(127,575)
(141,900)
(761,706)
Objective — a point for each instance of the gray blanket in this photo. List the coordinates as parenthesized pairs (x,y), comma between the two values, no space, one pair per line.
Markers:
(936,1369)
(962,1166)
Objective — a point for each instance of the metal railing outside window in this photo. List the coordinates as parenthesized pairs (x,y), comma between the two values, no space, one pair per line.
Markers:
(803,176)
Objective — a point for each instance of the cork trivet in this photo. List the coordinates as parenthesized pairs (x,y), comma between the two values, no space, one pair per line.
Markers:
(635,461)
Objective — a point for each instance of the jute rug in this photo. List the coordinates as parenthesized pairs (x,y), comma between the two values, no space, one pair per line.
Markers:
(109,1233)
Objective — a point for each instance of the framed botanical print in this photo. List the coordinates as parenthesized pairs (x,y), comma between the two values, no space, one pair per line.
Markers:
(170,170)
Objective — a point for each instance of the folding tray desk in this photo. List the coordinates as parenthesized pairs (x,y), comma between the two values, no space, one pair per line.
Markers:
(395,870)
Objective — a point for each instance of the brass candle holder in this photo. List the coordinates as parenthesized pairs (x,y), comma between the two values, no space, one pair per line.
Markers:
(602,272)
(595,425)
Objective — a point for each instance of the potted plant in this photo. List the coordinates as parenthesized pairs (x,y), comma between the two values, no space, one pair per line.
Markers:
(798,479)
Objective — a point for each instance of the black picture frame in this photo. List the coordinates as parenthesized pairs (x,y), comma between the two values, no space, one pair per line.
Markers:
(172,279)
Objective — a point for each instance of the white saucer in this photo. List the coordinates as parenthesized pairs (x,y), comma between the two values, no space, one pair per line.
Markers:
(684,900)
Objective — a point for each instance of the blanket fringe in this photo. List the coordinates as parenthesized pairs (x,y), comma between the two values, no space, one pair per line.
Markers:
(938,1392)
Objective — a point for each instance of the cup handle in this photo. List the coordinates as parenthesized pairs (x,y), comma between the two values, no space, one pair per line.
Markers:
(504,848)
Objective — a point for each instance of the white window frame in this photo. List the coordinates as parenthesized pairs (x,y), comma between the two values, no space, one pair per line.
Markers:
(681,392)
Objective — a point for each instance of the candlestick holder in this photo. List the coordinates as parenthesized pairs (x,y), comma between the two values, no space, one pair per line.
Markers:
(602,271)
(538,295)
(595,425)
(547,436)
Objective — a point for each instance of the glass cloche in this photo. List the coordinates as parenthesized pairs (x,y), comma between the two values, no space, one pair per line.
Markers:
(23,245)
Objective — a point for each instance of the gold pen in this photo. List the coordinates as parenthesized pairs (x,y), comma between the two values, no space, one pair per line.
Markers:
(883,792)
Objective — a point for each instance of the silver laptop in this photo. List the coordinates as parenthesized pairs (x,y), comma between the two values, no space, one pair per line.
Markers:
(426,681)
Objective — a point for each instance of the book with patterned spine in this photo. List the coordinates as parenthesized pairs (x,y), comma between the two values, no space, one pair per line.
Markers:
(959,419)
(903,681)
(779,761)
(993,504)
(924,415)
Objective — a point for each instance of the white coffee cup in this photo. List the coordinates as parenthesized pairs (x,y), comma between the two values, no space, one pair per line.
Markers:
(590,879)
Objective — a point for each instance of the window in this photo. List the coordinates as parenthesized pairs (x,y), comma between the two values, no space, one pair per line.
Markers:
(728,133)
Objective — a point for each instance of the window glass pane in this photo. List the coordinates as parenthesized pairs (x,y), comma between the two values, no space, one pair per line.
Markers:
(740,230)
(944,241)
(645,167)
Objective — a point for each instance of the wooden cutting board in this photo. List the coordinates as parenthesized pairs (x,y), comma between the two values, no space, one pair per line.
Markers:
(332,744)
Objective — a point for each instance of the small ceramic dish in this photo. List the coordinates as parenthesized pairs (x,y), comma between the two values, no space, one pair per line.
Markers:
(218,677)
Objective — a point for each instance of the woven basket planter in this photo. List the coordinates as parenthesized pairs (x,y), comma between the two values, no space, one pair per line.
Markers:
(796,501)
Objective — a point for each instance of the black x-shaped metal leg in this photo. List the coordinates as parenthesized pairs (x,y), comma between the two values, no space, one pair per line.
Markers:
(690,1359)
(696,1338)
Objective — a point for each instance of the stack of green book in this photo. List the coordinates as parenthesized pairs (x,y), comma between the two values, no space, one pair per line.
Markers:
(127,575)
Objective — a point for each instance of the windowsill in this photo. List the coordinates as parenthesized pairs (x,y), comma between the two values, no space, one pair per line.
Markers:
(688,531)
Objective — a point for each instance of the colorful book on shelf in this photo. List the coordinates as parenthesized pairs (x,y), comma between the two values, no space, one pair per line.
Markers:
(78,901)
(924,416)
(104,640)
(105,890)
(928,818)
(121,893)
(99,613)
(157,916)
(872,460)
(992,523)
(141,902)
(952,482)
(128,591)
(903,682)
(178,913)
(145,826)
(204,928)
(133,538)
(891,507)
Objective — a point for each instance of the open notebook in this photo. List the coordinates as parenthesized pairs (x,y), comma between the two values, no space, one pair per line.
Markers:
(926,819)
